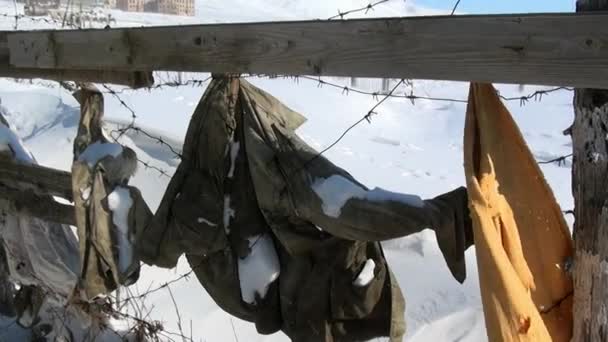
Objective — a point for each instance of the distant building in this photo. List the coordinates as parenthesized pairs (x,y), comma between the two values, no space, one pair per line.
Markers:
(175,7)
(130,5)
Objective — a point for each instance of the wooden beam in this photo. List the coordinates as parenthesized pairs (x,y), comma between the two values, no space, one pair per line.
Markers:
(42,207)
(39,179)
(551,49)
(133,79)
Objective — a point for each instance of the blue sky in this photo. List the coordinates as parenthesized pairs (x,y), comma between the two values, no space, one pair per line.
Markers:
(502,6)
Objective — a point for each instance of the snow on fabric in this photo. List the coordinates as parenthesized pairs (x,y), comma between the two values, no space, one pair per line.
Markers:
(259,269)
(380,195)
(234,151)
(336,190)
(98,150)
(120,202)
(228,213)
(366,275)
(207,222)
(85,193)
(10,142)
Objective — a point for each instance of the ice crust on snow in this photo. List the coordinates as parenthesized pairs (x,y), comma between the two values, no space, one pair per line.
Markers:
(259,269)
(11,142)
(120,202)
(366,275)
(336,190)
(98,150)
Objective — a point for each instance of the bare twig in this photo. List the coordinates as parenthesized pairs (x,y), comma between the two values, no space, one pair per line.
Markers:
(236,338)
(179,316)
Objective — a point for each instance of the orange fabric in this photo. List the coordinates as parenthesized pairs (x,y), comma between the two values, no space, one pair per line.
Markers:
(521,237)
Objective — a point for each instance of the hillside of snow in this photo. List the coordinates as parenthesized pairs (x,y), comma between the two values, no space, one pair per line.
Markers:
(411,147)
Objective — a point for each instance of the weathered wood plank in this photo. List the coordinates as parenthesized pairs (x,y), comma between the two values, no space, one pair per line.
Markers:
(552,49)
(133,79)
(590,192)
(42,180)
(45,208)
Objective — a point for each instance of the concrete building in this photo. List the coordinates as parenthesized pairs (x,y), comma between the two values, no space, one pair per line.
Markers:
(130,5)
(176,7)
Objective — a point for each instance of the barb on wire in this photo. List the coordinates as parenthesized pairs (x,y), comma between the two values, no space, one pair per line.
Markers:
(366,9)
(132,127)
(560,161)
(122,102)
(537,95)
(375,94)
(170,84)
(157,169)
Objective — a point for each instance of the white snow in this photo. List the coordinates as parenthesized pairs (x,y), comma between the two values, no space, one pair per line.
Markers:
(366,275)
(10,142)
(85,193)
(234,152)
(98,150)
(259,269)
(120,202)
(381,195)
(207,222)
(228,213)
(336,190)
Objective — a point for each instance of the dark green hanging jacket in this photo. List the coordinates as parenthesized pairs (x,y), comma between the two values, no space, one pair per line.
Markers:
(245,174)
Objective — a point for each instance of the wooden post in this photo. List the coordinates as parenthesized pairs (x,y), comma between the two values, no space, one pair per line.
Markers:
(590,189)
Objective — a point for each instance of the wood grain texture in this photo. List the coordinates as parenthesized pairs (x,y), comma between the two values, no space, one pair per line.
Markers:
(590,190)
(551,49)
(133,79)
(42,207)
(40,179)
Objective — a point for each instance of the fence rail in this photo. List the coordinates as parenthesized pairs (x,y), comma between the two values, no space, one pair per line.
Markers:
(548,49)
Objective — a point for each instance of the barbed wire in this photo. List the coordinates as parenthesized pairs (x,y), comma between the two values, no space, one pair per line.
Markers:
(455,7)
(524,99)
(170,84)
(138,130)
(366,9)
(367,117)
(560,161)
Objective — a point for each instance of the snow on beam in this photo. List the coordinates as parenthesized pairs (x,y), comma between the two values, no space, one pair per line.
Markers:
(550,49)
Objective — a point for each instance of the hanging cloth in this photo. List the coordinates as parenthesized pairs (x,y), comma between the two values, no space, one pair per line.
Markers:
(521,237)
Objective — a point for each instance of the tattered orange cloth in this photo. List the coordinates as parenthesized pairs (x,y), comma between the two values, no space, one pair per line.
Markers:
(521,237)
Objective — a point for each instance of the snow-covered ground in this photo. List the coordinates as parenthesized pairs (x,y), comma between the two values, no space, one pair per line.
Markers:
(408,147)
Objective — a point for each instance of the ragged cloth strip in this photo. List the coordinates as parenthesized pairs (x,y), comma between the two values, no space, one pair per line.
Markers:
(521,237)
